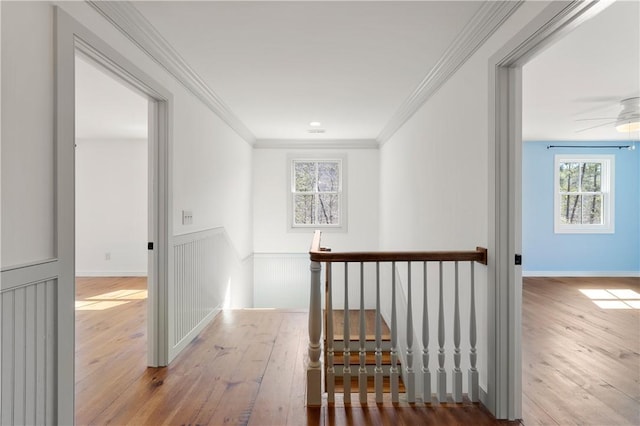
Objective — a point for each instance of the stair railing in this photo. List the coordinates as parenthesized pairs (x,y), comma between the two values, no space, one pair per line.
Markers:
(319,255)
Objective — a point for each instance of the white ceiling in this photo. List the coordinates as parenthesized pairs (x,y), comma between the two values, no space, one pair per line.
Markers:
(105,107)
(584,75)
(351,65)
(280,65)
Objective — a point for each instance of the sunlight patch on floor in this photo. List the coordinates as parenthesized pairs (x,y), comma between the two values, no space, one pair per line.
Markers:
(110,300)
(613,298)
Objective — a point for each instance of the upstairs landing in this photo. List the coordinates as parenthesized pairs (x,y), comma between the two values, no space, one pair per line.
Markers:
(245,368)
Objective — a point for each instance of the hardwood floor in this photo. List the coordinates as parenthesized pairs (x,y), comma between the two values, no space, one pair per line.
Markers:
(581,363)
(111,342)
(246,368)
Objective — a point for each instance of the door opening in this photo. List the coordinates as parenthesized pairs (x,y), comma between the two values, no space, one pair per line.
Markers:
(505,197)
(72,38)
(111,216)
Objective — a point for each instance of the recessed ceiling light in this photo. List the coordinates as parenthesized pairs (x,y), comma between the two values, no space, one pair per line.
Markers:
(315,124)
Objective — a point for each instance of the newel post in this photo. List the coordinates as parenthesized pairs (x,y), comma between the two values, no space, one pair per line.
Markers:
(314,365)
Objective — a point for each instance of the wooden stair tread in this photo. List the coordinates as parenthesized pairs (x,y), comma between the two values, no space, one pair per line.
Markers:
(355,337)
(371,387)
(354,358)
(354,325)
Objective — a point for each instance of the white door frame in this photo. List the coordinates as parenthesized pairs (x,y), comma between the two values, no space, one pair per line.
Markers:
(504,387)
(71,37)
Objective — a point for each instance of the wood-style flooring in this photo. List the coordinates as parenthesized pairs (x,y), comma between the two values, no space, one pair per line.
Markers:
(581,363)
(245,368)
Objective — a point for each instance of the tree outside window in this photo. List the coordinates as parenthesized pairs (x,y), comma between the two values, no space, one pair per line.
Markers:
(316,191)
(583,194)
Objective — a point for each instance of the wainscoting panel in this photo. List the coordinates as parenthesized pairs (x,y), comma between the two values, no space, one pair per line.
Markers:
(208,275)
(281,280)
(195,263)
(28,391)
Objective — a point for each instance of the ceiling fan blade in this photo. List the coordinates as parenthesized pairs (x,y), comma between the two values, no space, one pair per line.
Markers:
(597,99)
(595,119)
(595,127)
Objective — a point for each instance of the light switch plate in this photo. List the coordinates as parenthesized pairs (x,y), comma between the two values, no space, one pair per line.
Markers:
(187,217)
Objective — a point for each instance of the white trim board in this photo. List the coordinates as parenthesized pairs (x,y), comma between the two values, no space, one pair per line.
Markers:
(481,26)
(581,274)
(71,37)
(125,17)
(188,338)
(269,255)
(23,275)
(316,144)
(504,378)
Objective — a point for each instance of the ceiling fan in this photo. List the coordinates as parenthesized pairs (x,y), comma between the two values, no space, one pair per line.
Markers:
(627,121)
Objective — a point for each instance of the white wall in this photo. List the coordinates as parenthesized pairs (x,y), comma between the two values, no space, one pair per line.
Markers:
(27,133)
(436,166)
(281,260)
(271,180)
(111,207)
(211,165)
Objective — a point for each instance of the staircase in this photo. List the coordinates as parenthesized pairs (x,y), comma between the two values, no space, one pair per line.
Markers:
(354,347)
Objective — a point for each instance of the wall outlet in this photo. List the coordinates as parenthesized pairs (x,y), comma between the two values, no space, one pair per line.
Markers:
(187,217)
(107,256)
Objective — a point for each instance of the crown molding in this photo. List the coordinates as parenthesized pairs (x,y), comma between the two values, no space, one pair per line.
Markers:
(481,26)
(126,18)
(316,144)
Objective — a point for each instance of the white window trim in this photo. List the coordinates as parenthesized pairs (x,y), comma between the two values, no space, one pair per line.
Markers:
(342,159)
(608,190)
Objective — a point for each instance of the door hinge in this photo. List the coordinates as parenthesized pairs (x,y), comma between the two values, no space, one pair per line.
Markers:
(518,259)
(150,246)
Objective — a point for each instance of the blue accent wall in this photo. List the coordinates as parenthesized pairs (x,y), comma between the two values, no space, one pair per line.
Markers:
(543,250)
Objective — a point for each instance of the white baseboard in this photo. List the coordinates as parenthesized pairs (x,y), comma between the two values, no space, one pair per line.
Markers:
(175,351)
(111,273)
(581,273)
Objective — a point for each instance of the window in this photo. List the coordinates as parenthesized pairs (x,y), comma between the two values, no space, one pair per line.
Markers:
(316,193)
(584,194)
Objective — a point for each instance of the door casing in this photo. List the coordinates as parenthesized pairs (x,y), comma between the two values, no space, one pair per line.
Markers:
(72,37)
(504,304)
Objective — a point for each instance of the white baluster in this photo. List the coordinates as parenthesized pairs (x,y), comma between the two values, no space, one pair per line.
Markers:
(346,373)
(411,387)
(378,372)
(362,376)
(474,392)
(394,339)
(331,371)
(442,374)
(426,374)
(457,373)
(314,367)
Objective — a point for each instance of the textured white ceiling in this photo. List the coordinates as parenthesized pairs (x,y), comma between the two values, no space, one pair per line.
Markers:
(582,76)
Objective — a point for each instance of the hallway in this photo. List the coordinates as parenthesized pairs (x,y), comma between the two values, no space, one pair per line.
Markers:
(246,368)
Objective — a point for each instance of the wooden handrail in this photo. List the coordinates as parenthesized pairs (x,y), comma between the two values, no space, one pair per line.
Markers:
(320,254)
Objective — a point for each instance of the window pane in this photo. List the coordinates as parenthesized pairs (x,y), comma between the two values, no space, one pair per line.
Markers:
(592,209)
(592,177)
(569,174)
(328,211)
(305,176)
(328,177)
(570,209)
(304,209)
